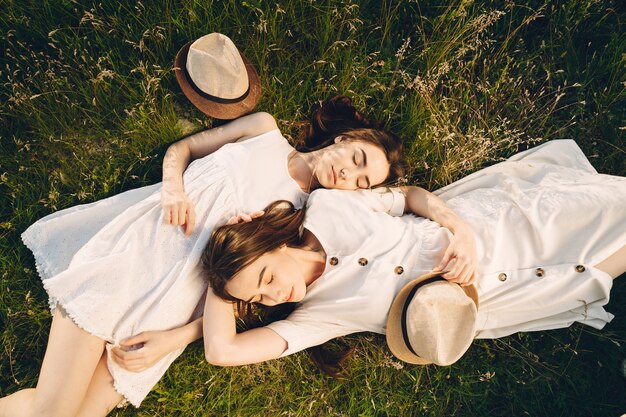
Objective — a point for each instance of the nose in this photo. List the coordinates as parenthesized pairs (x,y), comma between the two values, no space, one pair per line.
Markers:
(279,296)
(343,173)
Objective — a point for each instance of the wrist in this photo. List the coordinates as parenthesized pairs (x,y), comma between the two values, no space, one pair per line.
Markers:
(459,228)
(176,339)
(172,187)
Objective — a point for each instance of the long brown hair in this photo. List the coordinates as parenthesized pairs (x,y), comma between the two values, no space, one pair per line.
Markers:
(231,248)
(338,117)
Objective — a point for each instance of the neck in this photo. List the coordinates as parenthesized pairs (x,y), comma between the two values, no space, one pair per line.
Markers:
(301,167)
(311,258)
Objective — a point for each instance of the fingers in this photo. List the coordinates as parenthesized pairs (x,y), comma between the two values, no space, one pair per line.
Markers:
(134,340)
(167,215)
(470,281)
(447,257)
(244,217)
(236,219)
(460,272)
(174,215)
(257,214)
(182,215)
(126,359)
(131,360)
(190,224)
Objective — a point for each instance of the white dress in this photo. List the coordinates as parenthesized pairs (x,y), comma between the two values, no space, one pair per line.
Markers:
(118,270)
(542,219)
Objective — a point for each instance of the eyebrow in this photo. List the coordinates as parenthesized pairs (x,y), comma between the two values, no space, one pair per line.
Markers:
(367,179)
(258,285)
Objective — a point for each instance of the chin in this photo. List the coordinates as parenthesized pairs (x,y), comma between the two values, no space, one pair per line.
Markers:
(297,299)
(327,184)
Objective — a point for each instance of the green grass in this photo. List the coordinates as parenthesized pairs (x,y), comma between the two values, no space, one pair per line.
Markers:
(89,102)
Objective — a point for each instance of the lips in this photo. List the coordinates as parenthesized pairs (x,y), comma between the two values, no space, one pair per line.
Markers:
(290,295)
(332,170)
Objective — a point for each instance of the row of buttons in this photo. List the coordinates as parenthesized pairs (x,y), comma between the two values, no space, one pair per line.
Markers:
(363,261)
(540,272)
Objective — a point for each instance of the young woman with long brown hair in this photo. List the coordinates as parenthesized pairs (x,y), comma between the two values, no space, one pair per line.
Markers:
(127,265)
(551,236)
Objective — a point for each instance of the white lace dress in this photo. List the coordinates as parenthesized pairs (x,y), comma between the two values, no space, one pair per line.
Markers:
(118,270)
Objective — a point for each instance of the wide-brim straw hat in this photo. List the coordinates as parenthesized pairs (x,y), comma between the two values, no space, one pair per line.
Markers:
(217,78)
(432,320)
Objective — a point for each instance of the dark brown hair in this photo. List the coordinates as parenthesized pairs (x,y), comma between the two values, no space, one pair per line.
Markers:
(231,248)
(338,117)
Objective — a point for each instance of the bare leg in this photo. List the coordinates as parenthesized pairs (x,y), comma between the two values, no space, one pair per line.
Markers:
(101,397)
(18,404)
(614,265)
(70,362)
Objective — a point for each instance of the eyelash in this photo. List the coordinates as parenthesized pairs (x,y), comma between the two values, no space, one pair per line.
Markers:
(268,282)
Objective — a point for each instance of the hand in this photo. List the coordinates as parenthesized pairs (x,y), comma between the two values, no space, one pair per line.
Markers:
(244,218)
(142,351)
(178,209)
(460,259)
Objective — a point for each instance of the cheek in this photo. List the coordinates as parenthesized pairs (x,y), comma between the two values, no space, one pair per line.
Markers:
(379,174)
(345,186)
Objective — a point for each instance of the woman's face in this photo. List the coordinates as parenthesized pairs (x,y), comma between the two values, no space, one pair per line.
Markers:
(351,164)
(274,278)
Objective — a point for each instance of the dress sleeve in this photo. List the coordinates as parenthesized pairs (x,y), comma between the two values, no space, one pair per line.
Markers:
(388,200)
(301,331)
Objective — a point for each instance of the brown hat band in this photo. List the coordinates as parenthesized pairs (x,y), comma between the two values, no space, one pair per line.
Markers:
(405,308)
(209,96)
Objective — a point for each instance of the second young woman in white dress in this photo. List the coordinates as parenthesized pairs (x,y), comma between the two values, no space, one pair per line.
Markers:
(551,236)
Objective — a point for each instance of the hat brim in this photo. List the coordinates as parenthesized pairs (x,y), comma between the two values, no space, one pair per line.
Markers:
(206,105)
(394,337)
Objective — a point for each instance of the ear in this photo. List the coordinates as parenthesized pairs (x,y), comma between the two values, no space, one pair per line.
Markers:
(340,138)
(282,247)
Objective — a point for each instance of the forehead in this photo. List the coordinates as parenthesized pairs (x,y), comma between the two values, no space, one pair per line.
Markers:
(377,164)
(244,283)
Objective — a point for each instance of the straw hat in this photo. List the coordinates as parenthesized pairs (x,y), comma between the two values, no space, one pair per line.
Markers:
(432,321)
(218,79)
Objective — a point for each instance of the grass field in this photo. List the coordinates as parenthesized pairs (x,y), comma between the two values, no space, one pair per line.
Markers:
(89,103)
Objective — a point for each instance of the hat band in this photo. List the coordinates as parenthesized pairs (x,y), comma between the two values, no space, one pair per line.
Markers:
(409,298)
(214,98)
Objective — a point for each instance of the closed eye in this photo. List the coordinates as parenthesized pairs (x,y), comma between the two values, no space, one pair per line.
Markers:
(260,300)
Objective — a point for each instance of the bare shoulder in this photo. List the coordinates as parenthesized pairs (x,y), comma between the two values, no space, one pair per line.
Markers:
(257,124)
(265,121)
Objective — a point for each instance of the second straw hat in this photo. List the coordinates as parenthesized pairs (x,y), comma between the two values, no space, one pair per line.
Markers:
(432,320)
(217,78)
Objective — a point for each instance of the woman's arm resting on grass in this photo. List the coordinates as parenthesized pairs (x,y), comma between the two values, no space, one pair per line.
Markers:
(460,258)
(177,207)
(225,347)
(140,352)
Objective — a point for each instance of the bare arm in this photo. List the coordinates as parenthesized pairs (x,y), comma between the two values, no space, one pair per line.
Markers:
(460,258)
(145,349)
(224,346)
(177,208)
